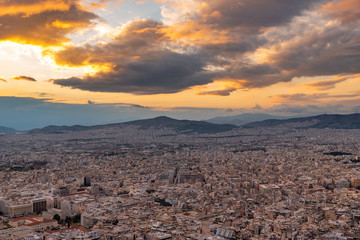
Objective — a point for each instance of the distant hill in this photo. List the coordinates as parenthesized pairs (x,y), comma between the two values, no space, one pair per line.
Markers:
(60,129)
(335,121)
(244,118)
(181,126)
(7,130)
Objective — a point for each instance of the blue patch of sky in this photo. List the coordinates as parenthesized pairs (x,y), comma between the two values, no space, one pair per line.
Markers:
(118,14)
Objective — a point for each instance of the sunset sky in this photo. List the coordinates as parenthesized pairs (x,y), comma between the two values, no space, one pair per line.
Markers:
(101,61)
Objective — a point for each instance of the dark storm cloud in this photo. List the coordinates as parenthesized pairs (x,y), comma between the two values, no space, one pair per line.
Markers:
(235,47)
(147,57)
(143,66)
(252,15)
(140,63)
(166,73)
(245,22)
(322,53)
(307,46)
(332,51)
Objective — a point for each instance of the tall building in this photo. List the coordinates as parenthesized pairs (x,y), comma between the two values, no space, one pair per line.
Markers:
(355,182)
(39,205)
(87,181)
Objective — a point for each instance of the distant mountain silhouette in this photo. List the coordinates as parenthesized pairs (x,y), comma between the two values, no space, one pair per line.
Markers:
(335,121)
(7,130)
(244,118)
(180,126)
(60,129)
(183,125)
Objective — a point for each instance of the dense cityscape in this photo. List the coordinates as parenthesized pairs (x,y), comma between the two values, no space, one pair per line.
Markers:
(281,182)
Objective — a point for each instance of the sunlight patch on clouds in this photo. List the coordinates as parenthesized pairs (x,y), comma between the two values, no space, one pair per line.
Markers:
(16,51)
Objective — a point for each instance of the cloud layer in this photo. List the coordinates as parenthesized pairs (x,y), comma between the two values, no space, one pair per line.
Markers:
(136,61)
(248,43)
(253,43)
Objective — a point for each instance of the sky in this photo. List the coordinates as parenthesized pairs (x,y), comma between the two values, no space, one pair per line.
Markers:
(87,62)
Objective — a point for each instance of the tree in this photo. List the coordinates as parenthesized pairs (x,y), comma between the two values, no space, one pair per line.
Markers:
(57,217)
(77,218)
(68,221)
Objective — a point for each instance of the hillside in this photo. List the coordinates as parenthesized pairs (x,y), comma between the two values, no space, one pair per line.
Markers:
(244,118)
(180,126)
(335,121)
(7,130)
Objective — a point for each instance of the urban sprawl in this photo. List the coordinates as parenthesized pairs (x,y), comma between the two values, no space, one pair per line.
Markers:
(130,183)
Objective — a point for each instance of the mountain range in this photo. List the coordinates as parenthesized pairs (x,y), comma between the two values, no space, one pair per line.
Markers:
(244,118)
(334,121)
(180,126)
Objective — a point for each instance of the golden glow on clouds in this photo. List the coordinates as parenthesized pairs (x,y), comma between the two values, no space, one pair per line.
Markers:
(59,24)
(346,10)
(261,55)
(9,7)
(46,53)
(192,33)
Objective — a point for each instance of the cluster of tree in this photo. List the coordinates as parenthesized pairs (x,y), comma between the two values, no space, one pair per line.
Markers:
(68,220)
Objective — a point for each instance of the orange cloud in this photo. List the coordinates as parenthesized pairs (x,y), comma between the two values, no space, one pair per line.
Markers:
(47,27)
(346,10)
(59,24)
(26,78)
(326,85)
(138,40)
(96,4)
(27,8)
(141,2)
(195,33)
